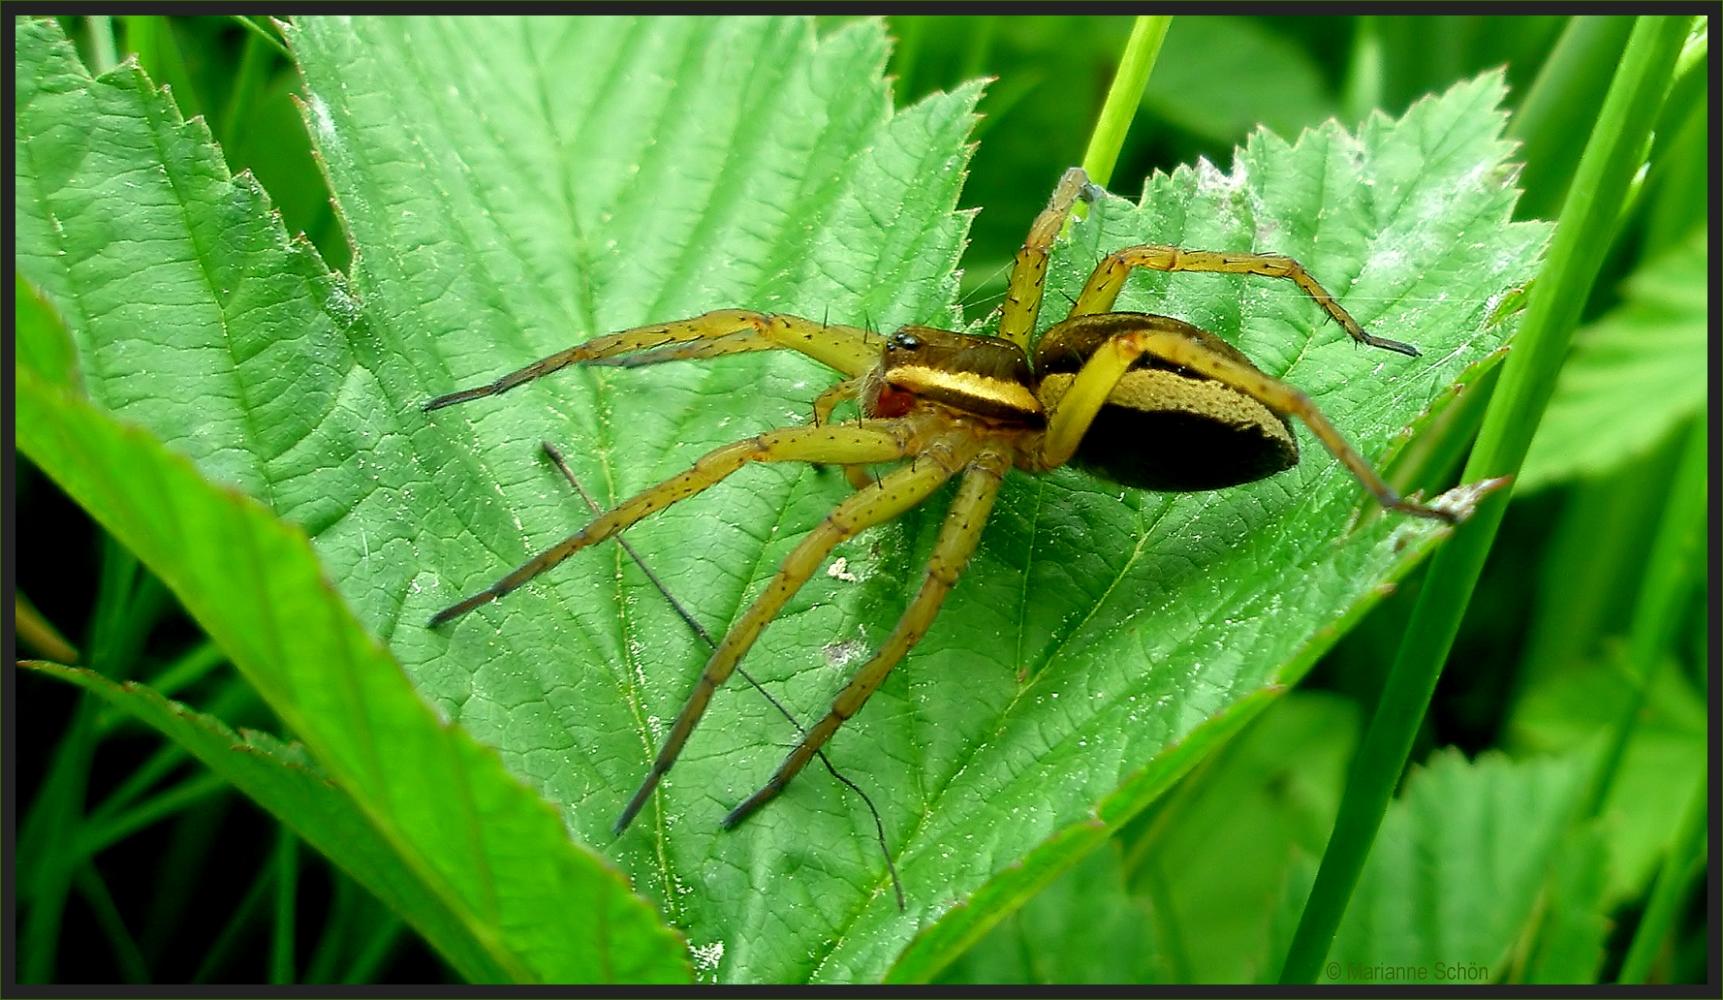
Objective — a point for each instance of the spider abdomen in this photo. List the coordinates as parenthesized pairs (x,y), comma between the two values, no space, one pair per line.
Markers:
(1164,427)
(1175,450)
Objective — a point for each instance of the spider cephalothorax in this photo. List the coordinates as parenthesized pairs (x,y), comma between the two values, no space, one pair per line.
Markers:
(1146,401)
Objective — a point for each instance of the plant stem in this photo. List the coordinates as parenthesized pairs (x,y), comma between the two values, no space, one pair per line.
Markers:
(1124,97)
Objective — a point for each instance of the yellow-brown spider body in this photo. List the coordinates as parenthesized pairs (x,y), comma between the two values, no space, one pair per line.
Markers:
(1144,400)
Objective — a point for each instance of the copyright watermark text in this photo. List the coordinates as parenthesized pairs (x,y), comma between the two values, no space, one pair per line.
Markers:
(1435,972)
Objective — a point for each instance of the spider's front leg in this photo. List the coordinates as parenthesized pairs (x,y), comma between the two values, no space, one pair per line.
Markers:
(1113,342)
(957,541)
(848,349)
(1103,286)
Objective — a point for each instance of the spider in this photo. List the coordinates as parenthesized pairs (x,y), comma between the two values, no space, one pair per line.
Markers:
(1142,400)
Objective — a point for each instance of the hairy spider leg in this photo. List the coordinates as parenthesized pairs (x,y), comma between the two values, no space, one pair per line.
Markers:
(1103,286)
(733,343)
(737,343)
(1162,338)
(876,441)
(957,540)
(848,349)
(1029,269)
(903,489)
(554,453)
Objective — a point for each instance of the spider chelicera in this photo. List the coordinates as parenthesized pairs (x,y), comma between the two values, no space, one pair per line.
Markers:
(1145,401)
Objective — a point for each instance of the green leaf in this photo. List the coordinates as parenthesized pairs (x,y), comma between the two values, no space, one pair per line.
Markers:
(1575,927)
(1186,892)
(517,899)
(1156,611)
(42,333)
(1213,859)
(1634,375)
(1666,756)
(513,187)
(1083,928)
(284,780)
(1456,870)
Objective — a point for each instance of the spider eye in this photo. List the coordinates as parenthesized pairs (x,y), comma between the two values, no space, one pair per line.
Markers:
(905,341)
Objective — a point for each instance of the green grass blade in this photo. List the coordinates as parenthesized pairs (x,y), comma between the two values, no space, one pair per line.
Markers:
(99,30)
(1570,86)
(1682,867)
(284,868)
(1669,581)
(238,924)
(104,831)
(1588,221)
(374,949)
(1361,93)
(1589,216)
(126,954)
(45,837)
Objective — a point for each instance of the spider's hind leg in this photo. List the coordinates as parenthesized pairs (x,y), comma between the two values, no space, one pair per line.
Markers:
(733,343)
(1103,286)
(1029,268)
